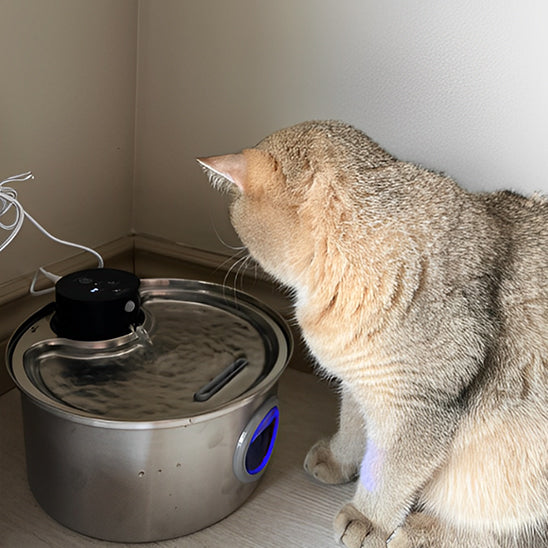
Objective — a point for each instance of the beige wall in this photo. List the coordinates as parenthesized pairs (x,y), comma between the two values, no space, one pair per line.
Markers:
(459,86)
(67,113)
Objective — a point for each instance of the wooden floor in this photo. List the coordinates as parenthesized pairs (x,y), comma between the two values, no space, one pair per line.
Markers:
(287,510)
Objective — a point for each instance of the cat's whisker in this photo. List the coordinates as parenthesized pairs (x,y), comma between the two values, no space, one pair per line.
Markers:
(235,249)
(231,260)
(225,243)
(235,268)
(242,271)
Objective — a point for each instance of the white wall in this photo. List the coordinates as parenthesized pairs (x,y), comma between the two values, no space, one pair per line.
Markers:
(459,86)
(67,104)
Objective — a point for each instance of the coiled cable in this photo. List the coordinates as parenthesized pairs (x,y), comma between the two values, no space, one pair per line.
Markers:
(9,202)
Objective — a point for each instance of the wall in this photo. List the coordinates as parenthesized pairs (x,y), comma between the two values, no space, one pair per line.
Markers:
(67,105)
(458,86)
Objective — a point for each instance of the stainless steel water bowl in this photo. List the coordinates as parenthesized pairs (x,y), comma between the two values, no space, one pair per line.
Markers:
(161,431)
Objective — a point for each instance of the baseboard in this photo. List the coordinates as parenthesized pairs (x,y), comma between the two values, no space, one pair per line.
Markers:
(121,253)
(148,244)
(116,251)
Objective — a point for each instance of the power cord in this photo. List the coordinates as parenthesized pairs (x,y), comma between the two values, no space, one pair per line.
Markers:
(9,202)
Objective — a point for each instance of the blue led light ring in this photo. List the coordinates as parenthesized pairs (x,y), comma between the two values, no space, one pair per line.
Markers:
(250,455)
(273,416)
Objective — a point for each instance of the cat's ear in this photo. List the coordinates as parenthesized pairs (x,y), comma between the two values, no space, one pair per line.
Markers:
(229,168)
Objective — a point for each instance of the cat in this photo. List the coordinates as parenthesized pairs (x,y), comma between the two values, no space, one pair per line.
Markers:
(429,303)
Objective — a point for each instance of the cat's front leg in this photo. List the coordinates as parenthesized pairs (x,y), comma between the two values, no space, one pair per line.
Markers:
(337,460)
(399,459)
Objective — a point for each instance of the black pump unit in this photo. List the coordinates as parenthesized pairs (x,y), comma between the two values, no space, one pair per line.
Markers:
(96,304)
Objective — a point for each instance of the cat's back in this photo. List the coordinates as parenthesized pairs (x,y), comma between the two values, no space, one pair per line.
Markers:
(519,216)
(522,227)
(507,419)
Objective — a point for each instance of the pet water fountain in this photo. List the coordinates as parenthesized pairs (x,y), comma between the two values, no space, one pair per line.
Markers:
(149,405)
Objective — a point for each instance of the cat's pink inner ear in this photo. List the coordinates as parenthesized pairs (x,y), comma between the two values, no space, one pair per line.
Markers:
(230,166)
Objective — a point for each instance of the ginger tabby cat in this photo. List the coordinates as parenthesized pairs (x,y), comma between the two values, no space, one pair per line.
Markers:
(430,305)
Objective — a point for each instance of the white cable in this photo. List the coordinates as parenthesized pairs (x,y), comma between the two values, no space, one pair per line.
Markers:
(8,201)
(49,276)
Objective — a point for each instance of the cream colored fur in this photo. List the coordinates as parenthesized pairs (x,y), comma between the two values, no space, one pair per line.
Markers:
(430,305)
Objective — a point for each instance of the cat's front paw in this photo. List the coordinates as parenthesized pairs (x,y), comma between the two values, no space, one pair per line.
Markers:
(322,465)
(354,530)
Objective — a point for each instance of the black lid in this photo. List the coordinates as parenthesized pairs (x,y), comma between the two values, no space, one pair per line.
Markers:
(96,304)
